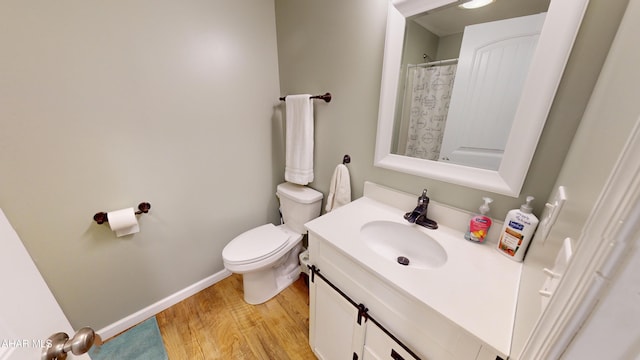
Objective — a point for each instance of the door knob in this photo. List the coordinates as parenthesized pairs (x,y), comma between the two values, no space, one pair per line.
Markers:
(80,343)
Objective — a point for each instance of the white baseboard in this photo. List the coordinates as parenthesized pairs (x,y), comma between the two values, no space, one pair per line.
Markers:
(137,317)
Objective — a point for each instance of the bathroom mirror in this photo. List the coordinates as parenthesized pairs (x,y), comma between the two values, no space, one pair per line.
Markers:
(540,79)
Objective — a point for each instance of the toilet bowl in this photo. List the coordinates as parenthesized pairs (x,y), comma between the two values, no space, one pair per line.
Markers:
(267,256)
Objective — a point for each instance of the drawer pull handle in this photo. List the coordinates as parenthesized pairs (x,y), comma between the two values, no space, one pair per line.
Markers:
(395,355)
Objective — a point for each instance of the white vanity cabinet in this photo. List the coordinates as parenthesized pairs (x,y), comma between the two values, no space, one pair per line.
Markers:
(337,332)
(342,330)
(339,283)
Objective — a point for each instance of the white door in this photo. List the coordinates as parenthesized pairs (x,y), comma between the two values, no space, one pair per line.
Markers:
(29,313)
(494,59)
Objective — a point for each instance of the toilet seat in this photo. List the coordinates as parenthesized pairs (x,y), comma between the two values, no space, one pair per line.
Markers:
(255,245)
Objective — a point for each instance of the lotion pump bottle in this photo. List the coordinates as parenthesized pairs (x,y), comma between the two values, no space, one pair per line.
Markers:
(517,231)
(479,223)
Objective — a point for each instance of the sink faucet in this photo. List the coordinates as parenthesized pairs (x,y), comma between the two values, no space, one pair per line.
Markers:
(419,214)
(420,210)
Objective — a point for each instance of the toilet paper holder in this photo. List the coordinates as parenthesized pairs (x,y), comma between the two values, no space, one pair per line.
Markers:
(102,217)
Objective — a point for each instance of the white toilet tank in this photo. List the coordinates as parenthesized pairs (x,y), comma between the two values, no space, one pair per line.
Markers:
(298,205)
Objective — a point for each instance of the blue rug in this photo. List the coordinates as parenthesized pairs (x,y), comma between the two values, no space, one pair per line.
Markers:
(141,342)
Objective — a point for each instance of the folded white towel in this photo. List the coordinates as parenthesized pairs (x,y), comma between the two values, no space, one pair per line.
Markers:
(340,190)
(299,139)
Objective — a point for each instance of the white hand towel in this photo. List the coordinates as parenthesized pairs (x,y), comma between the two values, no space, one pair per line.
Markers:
(299,139)
(340,190)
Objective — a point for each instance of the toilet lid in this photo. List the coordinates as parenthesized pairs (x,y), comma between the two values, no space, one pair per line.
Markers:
(255,244)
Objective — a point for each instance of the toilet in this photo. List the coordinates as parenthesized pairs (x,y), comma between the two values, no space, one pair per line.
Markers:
(267,256)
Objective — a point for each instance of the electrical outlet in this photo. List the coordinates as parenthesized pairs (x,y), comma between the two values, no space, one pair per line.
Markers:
(551,211)
(555,274)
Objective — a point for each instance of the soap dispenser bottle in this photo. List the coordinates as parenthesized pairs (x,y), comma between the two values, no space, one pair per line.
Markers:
(517,231)
(480,223)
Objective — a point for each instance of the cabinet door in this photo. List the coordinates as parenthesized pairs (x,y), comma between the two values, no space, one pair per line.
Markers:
(334,332)
(380,346)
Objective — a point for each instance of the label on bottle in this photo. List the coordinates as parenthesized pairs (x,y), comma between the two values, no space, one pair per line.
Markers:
(478,228)
(511,239)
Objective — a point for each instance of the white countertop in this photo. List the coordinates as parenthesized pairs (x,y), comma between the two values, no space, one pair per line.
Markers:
(477,288)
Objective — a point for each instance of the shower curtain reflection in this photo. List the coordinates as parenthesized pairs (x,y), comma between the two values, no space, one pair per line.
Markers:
(425,111)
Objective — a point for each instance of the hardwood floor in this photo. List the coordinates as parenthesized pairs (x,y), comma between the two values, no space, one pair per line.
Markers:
(216,323)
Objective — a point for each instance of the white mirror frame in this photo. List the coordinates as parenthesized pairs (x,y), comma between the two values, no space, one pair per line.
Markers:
(552,52)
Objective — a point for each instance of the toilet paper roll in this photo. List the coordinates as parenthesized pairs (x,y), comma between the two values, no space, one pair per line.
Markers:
(123,222)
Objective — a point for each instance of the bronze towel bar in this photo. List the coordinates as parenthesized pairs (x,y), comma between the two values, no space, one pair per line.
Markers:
(326,97)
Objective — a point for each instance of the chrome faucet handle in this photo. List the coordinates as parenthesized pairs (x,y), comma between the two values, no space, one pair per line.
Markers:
(423,199)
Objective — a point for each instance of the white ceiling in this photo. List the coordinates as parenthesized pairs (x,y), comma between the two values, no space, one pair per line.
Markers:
(452,19)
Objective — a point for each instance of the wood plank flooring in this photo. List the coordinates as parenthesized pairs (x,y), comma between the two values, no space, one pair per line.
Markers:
(216,323)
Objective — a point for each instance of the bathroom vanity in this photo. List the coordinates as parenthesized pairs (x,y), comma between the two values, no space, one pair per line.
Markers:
(364,304)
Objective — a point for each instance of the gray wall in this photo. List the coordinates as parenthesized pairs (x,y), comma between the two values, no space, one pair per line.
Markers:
(420,42)
(107,104)
(449,46)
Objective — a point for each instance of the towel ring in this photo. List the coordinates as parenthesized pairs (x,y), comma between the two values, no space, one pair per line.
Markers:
(346,159)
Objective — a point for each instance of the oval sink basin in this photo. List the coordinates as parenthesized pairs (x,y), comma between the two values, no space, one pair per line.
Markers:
(403,244)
